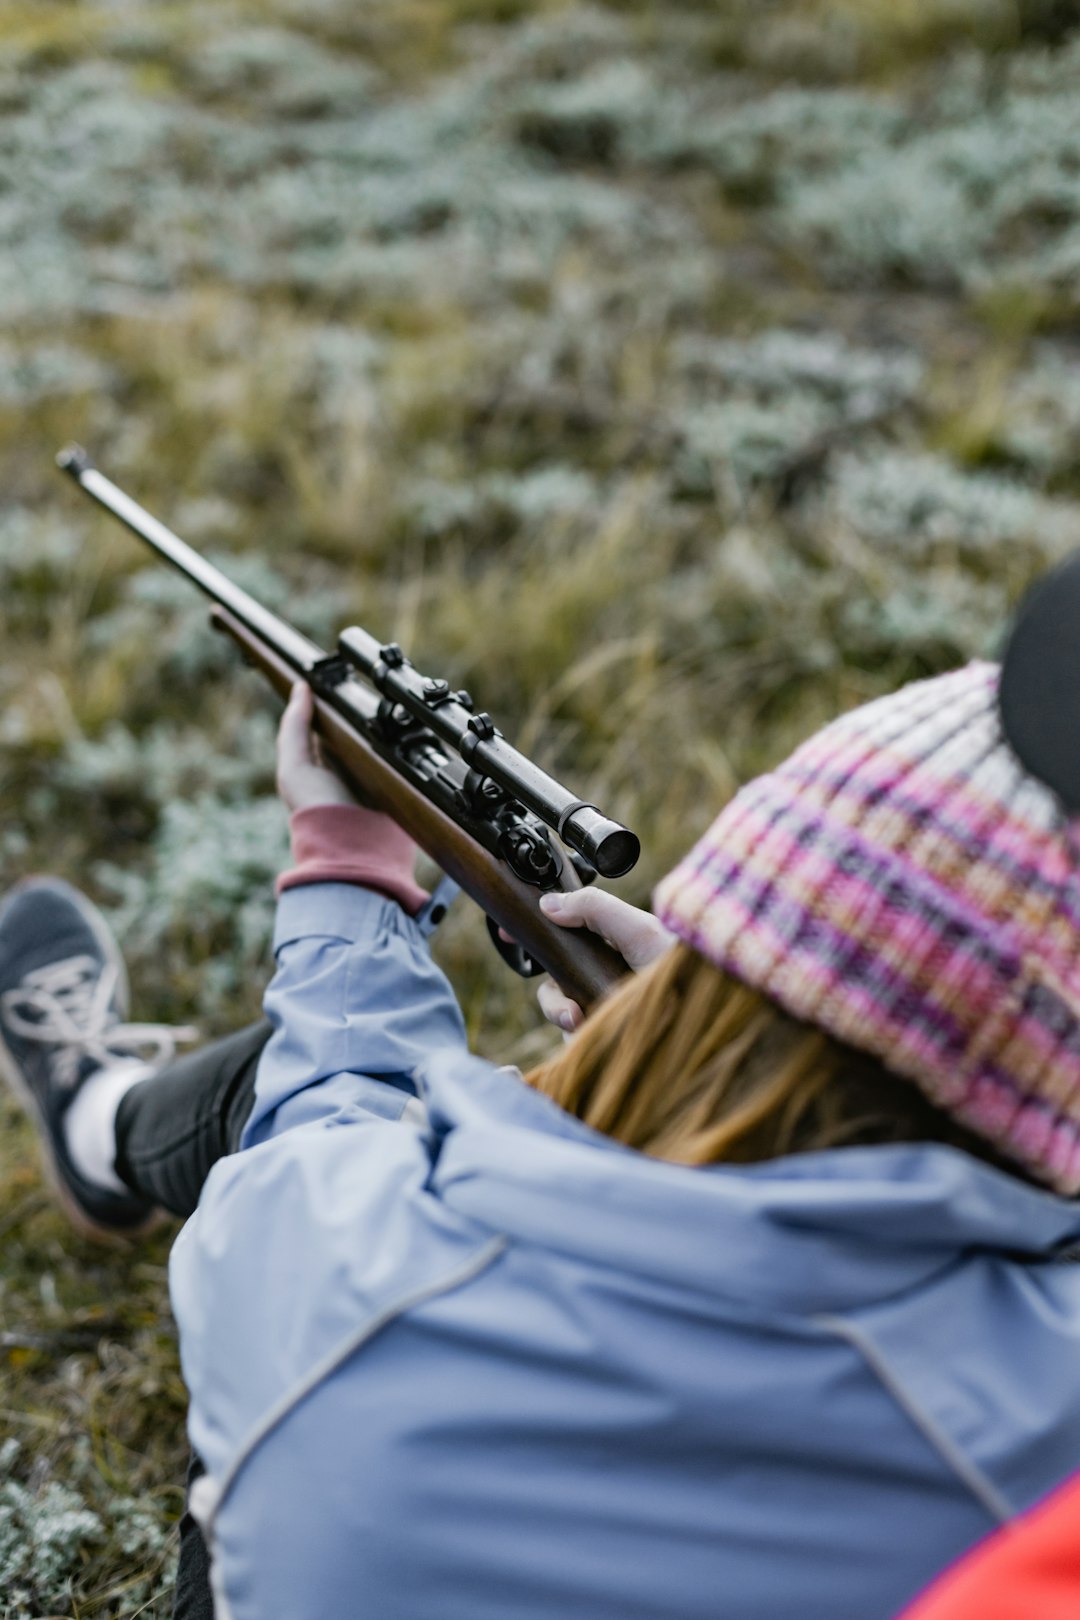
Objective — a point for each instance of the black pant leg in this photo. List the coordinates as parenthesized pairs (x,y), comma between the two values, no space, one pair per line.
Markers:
(172,1129)
(192,1598)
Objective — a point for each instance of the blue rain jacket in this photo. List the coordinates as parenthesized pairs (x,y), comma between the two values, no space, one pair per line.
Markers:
(453,1354)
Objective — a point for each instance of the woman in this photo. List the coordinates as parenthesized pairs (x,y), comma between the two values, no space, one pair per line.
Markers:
(748,1302)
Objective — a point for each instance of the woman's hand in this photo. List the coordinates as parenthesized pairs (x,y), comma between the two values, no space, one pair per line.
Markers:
(302,778)
(636,935)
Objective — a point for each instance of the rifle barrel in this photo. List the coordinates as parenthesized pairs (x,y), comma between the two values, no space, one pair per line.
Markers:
(301,653)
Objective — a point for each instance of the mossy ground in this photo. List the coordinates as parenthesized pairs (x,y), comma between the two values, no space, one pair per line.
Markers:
(671,376)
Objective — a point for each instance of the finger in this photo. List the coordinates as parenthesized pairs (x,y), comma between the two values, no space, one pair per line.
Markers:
(557,1008)
(297,713)
(637,935)
(294,759)
(294,732)
(304,699)
(590,908)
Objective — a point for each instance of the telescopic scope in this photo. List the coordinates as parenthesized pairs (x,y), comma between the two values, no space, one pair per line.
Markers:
(607,845)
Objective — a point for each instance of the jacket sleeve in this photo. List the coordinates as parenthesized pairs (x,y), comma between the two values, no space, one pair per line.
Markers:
(356,1004)
(322,1217)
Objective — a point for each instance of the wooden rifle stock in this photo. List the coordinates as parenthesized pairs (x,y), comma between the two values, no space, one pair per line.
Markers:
(580,963)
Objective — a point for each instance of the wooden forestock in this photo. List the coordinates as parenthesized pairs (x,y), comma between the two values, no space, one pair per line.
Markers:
(580,963)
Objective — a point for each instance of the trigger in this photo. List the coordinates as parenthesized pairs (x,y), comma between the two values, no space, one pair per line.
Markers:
(514,955)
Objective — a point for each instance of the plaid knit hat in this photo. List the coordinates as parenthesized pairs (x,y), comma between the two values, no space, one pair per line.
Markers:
(901,882)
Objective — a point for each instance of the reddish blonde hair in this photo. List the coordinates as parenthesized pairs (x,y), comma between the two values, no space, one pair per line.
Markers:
(686,1064)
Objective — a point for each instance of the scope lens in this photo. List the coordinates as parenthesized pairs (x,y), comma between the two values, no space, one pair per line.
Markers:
(613,853)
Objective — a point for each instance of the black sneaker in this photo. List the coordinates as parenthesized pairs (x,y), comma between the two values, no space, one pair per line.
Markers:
(63,1002)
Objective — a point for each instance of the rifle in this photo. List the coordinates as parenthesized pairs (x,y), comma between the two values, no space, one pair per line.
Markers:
(410,746)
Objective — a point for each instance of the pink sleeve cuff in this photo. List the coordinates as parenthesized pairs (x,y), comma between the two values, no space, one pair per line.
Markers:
(348,843)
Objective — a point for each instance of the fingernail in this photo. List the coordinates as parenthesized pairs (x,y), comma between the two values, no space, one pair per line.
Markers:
(551,903)
(566,1021)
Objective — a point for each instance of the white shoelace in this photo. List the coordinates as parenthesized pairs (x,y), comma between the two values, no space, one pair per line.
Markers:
(69,1005)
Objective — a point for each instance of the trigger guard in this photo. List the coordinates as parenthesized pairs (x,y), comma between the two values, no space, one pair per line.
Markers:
(526,966)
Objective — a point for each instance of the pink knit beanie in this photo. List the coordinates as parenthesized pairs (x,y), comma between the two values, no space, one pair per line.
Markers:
(903,883)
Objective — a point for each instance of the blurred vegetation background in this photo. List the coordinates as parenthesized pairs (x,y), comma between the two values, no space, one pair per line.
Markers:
(673,375)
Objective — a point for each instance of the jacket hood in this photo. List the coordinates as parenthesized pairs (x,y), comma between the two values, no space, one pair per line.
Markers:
(811,1233)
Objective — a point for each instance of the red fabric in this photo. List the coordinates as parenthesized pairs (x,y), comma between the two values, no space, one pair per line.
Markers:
(348,843)
(1030,1570)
